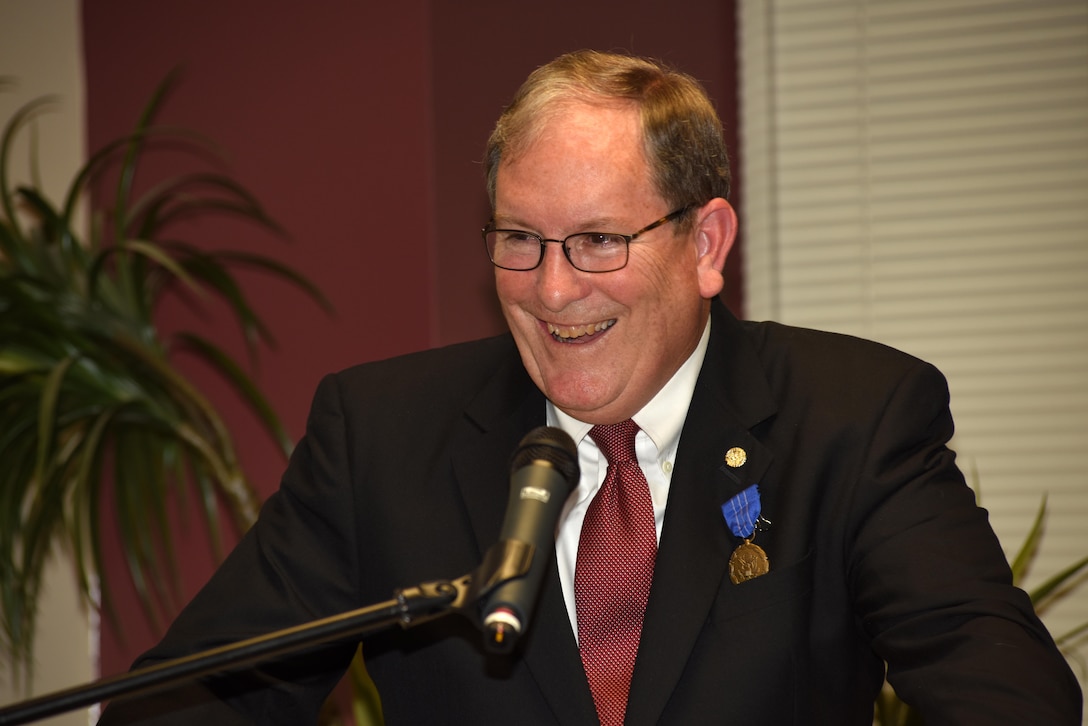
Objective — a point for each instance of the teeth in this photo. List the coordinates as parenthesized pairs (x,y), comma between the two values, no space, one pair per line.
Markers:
(578,331)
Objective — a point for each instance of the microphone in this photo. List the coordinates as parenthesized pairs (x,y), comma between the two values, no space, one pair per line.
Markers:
(543,471)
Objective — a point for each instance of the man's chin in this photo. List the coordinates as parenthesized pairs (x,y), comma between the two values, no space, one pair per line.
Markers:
(574,400)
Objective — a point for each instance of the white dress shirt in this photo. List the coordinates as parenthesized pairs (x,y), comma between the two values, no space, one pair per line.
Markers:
(660,422)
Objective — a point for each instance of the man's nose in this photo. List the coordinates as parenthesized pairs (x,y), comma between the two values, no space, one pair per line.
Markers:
(558,281)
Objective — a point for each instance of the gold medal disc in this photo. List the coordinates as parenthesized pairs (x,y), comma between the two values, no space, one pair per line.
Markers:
(748,561)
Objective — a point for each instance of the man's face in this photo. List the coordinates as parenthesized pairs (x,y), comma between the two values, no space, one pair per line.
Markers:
(599,345)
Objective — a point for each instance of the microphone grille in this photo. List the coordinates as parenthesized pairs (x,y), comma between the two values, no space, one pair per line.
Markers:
(550,444)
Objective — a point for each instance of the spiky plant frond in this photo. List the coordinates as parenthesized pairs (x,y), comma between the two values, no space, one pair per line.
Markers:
(90,401)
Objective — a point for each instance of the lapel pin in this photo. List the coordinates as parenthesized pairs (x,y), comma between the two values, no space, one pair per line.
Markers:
(736,457)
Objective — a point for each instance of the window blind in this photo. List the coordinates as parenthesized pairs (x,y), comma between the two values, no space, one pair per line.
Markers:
(916,172)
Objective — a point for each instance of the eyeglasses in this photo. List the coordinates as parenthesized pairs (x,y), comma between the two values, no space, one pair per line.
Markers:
(515,249)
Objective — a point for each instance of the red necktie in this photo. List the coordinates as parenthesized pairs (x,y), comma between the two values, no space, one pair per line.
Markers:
(612,576)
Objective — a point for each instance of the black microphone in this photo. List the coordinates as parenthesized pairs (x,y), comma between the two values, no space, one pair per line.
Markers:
(543,471)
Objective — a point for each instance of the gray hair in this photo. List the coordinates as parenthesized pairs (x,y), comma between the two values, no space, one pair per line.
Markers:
(682,134)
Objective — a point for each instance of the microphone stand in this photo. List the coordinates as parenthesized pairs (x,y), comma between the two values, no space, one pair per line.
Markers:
(505,561)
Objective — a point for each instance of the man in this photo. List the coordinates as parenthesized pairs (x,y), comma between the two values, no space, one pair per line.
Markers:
(794,521)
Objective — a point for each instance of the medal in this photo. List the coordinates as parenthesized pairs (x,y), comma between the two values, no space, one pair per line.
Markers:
(748,561)
(743,513)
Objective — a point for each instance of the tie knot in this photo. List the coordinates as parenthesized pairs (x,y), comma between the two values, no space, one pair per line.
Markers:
(616,441)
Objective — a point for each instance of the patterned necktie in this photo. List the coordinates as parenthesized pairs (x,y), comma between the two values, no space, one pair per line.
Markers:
(614,569)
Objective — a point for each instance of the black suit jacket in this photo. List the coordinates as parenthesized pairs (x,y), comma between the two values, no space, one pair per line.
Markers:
(877,550)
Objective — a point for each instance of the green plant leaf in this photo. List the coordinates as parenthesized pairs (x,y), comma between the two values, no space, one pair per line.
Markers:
(1040,594)
(280,270)
(11,128)
(47,416)
(223,363)
(1072,634)
(1022,562)
(132,154)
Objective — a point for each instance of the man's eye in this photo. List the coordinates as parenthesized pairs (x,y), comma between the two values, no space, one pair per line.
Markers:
(597,239)
(519,238)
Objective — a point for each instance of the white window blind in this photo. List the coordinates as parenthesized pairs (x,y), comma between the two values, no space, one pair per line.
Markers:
(916,172)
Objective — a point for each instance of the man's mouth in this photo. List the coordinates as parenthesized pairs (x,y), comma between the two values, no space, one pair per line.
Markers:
(572,333)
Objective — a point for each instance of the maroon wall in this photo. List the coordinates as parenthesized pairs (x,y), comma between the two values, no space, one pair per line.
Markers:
(325,116)
(360,126)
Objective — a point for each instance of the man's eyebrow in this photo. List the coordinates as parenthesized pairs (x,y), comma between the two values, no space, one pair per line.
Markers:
(597,224)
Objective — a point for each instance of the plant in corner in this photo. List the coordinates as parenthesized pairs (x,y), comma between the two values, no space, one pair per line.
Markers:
(90,401)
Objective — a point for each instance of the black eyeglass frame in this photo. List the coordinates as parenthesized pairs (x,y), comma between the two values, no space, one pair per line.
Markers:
(627,238)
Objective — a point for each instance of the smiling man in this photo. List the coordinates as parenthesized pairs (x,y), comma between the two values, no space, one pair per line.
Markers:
(601,343)
(766,518)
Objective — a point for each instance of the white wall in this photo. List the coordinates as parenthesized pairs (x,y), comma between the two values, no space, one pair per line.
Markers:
(41,54)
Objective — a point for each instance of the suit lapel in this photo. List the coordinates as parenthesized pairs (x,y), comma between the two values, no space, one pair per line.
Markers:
(483,442)
(551,653)
(506,408)
(692,561)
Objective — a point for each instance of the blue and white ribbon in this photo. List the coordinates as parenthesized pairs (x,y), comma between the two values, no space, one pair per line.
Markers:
(742,511)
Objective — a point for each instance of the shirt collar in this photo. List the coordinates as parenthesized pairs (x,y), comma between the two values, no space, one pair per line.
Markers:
(663,417)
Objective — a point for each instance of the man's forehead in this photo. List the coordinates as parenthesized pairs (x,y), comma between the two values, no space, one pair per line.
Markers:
(589,119)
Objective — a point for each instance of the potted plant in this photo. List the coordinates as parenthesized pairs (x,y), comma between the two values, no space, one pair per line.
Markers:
(90,400)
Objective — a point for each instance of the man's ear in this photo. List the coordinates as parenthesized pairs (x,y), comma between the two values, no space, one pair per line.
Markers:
(715,232)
